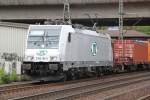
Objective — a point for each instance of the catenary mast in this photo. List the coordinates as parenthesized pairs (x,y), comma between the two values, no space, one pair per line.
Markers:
(121,13)
(66,12)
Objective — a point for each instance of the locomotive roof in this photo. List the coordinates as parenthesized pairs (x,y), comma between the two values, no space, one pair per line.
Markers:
(91,32)
(81,30)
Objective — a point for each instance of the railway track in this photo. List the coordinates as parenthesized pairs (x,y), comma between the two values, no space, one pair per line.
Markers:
(17,85)
(10,87)
(10,91)
(145,98)
(69,90)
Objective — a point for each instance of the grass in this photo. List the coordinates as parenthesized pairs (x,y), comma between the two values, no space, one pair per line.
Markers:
(144,29)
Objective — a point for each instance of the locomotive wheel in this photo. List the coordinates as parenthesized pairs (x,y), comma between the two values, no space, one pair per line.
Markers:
(73,76)
(64,77)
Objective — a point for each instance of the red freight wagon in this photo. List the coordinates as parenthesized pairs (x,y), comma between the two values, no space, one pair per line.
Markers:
(130,54)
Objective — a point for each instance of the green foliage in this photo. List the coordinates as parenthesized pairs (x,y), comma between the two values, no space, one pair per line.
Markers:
(1,75)
(7,78)
(25,78)
(4,78)
(102,28)
(13,75)
(144,29)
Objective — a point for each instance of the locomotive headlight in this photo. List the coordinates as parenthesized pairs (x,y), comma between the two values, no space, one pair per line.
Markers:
(29,58)
(54,58)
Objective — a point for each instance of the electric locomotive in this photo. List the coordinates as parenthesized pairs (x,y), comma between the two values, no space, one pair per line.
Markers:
(66,51)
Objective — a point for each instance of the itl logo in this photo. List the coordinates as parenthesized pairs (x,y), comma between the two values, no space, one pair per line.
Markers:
(94,48)
(42,53)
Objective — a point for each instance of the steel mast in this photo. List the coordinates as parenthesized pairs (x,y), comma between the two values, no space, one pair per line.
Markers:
(66,12)
(121,13)
(121,35)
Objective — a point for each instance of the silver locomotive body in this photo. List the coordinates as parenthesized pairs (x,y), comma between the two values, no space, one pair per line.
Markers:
(61,50)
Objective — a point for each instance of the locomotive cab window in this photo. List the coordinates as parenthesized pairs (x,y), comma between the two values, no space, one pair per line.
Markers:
(44,38)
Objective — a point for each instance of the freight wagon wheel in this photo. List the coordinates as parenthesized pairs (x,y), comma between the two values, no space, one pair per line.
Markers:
(148,67)
(144,67)
(99,74)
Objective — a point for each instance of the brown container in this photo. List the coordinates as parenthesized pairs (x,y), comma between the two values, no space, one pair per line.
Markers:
(149,50)
(140,52)
(131,52)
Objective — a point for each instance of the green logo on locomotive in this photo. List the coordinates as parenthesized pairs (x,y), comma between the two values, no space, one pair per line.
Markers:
(42,53)
(94,48)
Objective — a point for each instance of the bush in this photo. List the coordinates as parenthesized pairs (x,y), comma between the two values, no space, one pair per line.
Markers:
(13,76)
(4,78)
(1,75)
(7,78)
(25,78)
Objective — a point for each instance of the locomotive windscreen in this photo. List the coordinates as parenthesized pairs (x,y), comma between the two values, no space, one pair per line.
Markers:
(44,38)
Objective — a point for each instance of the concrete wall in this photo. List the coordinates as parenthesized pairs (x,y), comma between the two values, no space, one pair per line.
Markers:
(56,2)
(77,11)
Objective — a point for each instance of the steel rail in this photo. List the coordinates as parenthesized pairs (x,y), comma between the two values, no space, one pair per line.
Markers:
(16,85)
(78,91)
(147,97)
(29,86)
